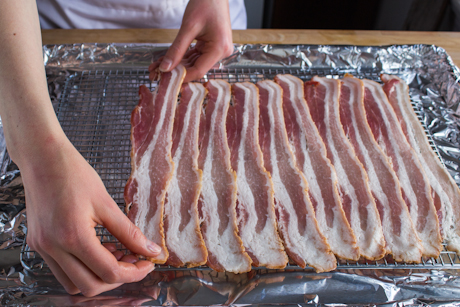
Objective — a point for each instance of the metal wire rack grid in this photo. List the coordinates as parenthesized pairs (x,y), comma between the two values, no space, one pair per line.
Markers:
(94,111)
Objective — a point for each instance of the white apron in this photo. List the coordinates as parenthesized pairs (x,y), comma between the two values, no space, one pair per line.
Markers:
(114,14)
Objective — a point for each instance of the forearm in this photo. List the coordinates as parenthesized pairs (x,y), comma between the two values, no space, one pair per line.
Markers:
(66,198)
(30,125)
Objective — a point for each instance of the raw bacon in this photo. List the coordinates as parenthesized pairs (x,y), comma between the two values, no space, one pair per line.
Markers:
(415,188)
(303,240)
(218,195)
(311,157)
(322,97)
(182,226)
(356,105)
(255,204)
(444,190)
(151,162)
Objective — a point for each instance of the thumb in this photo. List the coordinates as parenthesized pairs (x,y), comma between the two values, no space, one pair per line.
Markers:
(177,49)
(119,225)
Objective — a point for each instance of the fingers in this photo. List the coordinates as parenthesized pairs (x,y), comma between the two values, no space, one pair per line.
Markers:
(111,247)
(207,54)
(190,58)
(201,65)
(129,258)
(95,268)
(106,301)
(63,279)
(118,255)
(86,281)
(204,56)
(153,71)
(101,261)
(154,65)
(178,48)
(119,225)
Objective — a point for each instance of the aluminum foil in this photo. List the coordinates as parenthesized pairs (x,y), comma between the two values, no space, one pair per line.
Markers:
(434,88)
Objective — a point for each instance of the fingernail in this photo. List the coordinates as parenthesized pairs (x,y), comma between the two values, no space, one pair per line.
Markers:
(165,65)
(153,248)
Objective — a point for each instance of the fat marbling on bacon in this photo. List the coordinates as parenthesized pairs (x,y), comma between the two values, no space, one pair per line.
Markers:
(322,96)
(400,235)
(151,161)
(182,226)
(415,187)
(255,203)
(311,158)
(444,190)
(298,227)
(218,195)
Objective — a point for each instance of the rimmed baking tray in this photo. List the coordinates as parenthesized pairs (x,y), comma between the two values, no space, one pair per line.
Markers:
(94,88)
(94,110)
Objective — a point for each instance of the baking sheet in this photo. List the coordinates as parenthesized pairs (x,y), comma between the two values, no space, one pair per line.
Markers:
(113,72)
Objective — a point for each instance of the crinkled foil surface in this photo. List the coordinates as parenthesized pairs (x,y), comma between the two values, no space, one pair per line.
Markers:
(434,85)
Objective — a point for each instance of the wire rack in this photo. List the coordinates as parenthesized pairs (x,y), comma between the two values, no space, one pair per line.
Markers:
(94,110)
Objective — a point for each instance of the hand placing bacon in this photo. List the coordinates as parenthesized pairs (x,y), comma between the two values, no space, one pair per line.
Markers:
(65,196)
(207,22)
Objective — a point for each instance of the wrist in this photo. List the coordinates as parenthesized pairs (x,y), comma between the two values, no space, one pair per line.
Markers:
(36,149)
(30,125)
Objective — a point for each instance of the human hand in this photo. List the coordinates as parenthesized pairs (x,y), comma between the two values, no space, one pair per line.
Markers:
(207,21)
(66,199)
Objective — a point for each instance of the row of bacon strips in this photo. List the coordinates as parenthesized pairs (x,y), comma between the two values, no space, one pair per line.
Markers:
(248,174)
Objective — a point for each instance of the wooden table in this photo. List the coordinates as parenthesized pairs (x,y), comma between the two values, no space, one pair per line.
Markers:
(448,40)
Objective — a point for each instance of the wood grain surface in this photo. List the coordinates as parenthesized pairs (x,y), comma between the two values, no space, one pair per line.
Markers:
(448,40)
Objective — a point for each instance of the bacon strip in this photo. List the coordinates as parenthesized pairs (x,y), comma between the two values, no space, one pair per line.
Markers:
(444,190)
(182,226)
(218,196)
(415,187)
(151,162)
(303,240)
(355,105)
(255,203)
(322,97)
(311,157)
